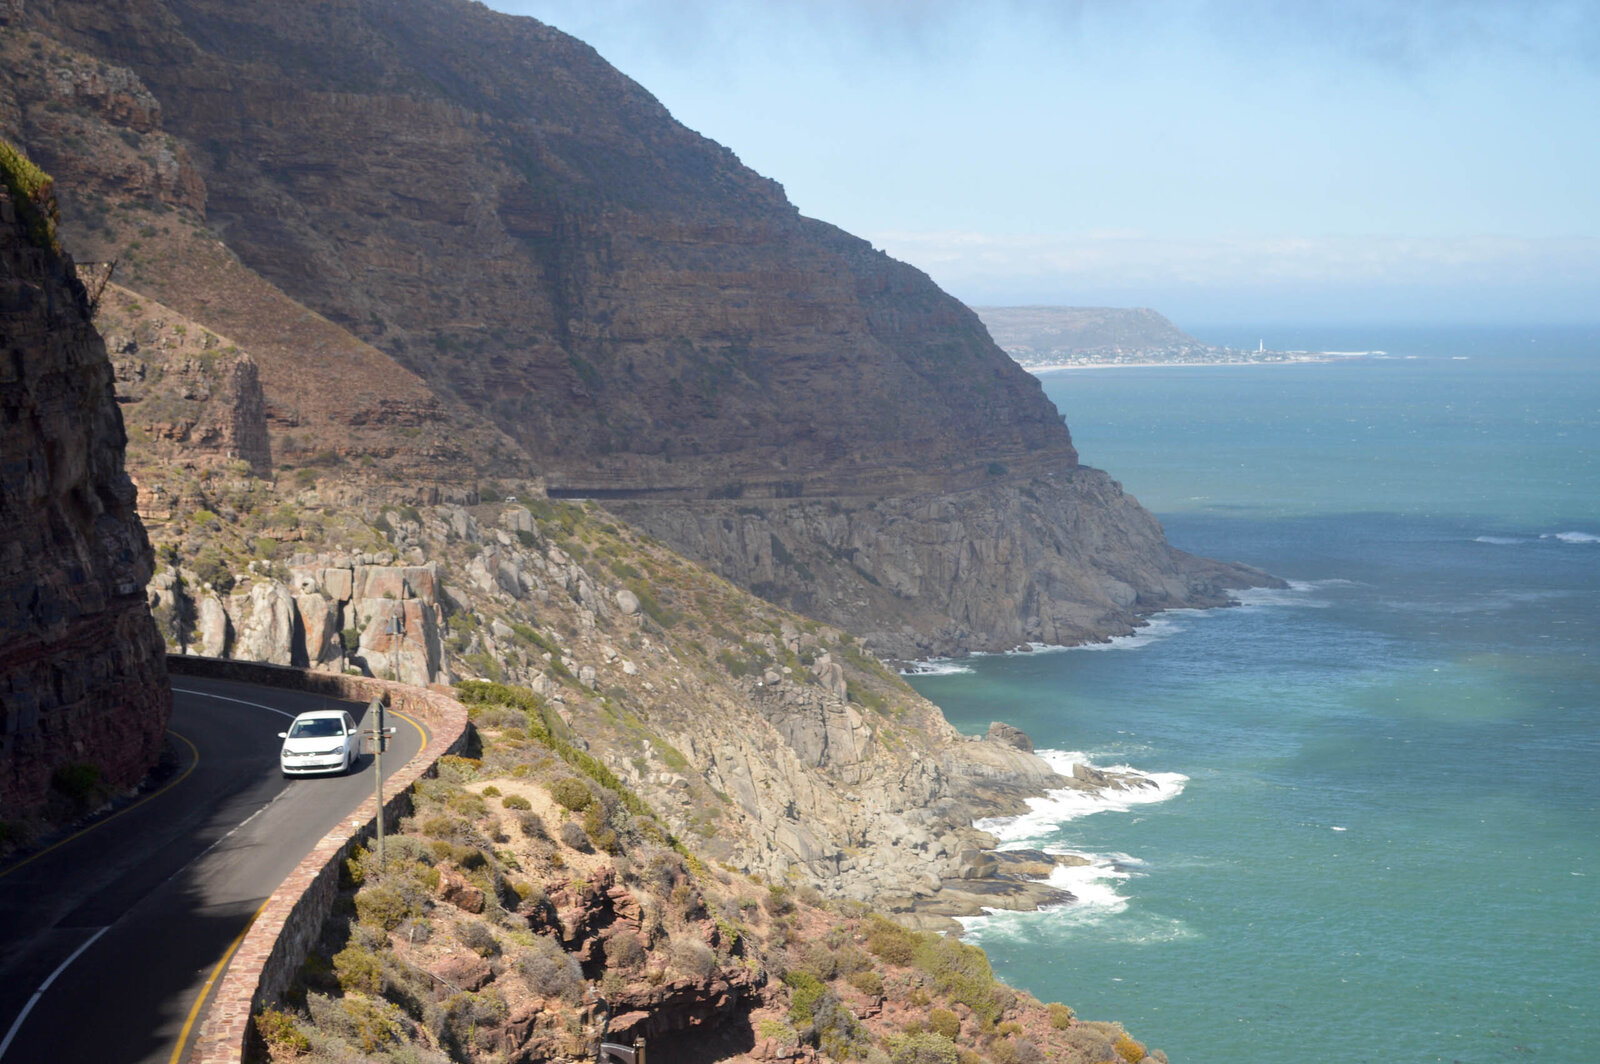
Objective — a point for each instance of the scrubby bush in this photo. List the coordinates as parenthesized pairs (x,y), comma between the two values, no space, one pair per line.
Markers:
(777,901)
(805,990)
(869,982)
(550,971)
(358,970)
(572,793)
(476,937)
(383,905)
(624,950)
(945,1022)
(365,1023)
(463,1016)
(1129,1049)
(693,959)
(491,791)
(1060,1015)
(532,825)
(923,1047)
(78,780)
(574,836)
(598,827)
(515,801)
(891,942)
(278,1030)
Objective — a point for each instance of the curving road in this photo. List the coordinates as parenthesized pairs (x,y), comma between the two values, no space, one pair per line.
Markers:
(111,941)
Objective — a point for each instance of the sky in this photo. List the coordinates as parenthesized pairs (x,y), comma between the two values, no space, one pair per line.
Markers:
(1223,161)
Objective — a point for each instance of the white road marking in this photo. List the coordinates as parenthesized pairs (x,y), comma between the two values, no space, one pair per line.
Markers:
(241,701)
(39,993)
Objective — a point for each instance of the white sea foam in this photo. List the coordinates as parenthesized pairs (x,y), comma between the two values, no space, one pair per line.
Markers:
(1572,537)
(1057,807)
(1503,541)
(1159,627)
(936,667)
(1300,594)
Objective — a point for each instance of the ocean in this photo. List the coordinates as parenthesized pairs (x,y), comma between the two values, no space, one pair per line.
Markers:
(1377,833)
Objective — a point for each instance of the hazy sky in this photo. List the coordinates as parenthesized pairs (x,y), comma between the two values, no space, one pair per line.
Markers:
(1266,161)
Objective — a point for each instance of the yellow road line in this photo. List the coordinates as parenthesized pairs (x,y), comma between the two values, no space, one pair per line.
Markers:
(194,1010)
(101,823)
(420,729)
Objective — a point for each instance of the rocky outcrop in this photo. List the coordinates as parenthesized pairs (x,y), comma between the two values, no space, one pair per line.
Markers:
(334,612)
(188,395)
(82,673)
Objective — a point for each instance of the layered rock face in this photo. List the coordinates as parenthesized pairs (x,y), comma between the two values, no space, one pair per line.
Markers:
(1060,559)
(83,674)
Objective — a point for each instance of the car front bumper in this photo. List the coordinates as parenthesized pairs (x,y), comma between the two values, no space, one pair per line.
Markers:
(308,766)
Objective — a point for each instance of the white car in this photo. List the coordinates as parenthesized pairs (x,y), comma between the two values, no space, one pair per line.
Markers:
(324,740)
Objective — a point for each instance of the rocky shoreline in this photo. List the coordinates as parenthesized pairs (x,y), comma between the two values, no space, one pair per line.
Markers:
(992,878)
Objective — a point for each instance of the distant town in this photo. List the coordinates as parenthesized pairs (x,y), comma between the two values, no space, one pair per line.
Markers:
(1041,338)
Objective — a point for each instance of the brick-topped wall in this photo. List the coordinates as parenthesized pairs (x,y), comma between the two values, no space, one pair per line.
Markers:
(288,925)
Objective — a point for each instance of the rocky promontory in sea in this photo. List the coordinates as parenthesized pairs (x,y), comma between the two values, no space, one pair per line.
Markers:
(83,675)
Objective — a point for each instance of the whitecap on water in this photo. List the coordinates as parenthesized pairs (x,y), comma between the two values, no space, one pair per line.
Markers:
(1571,537)
(1503,541)
(1300,594)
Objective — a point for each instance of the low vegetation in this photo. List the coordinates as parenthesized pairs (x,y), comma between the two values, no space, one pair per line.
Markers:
(530,896)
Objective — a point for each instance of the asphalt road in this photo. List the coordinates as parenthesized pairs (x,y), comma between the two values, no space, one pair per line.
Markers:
(110,941)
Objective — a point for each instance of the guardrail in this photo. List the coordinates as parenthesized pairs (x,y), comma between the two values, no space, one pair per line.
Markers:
(290,922)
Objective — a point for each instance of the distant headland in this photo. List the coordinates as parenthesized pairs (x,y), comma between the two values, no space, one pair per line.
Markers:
(1045,338)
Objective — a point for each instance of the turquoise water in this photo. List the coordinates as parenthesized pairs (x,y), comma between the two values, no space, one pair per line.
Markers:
(1378,836)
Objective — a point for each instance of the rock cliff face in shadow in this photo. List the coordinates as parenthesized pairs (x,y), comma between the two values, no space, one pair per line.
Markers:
(83,678)
(630,312)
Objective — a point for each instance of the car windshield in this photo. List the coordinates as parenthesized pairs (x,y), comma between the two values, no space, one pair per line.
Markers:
(316,728)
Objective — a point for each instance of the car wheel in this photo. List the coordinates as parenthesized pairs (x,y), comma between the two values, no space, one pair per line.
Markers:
(349,762)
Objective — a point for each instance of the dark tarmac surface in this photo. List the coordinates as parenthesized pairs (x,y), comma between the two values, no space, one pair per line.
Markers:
(122,925)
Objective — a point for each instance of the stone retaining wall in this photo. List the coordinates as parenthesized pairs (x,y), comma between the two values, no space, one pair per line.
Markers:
(288,925)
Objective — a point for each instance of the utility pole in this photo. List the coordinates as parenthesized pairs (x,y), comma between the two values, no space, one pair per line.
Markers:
(380,729)
(379,735)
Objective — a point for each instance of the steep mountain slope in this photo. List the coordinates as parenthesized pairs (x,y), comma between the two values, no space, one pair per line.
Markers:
(83,682)
(546,276)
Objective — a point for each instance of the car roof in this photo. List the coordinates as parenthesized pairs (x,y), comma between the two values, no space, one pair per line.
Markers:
(315,713)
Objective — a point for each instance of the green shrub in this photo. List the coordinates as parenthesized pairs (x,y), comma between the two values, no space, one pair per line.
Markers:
(366,1023)
(532,825)
(78,780)
(278,1030)
(945,1022)
(891,942)
(383,906)
(31,195)
(571,793)
(1128,1049)
(358,970)
(869,982)
(1060,1015)
(514,801)
(805,990)
(923,1047)
(492,791)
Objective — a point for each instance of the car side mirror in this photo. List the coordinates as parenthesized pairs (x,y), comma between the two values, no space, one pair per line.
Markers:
(283,735)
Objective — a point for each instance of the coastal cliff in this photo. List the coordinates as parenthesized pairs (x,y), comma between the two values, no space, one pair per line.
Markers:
(518,266)
(83,678)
